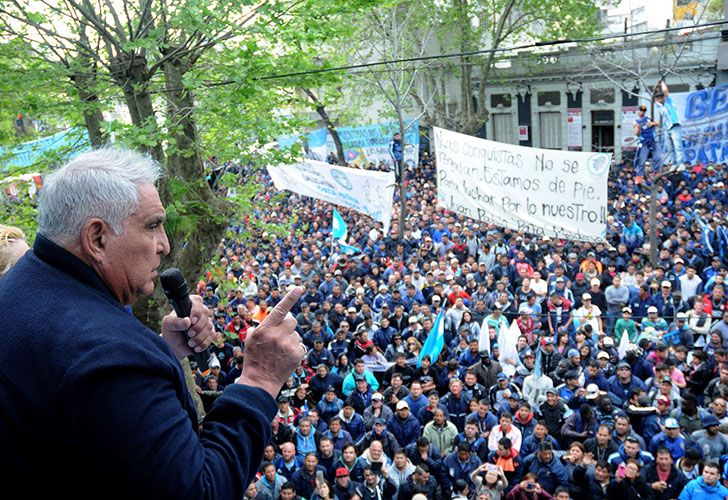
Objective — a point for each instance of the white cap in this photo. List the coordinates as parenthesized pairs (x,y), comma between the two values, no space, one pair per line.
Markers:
(586,296)
(666,283)
(651,309)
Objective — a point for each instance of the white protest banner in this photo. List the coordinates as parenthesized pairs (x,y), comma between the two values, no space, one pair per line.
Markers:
(560,194)
(365,191)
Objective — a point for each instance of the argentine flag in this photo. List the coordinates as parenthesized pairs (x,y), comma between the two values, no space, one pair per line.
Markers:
(339,231)
(435,340)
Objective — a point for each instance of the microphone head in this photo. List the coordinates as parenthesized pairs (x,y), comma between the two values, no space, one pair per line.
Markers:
(173,283)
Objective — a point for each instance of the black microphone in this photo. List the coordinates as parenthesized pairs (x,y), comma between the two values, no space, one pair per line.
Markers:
(178,294)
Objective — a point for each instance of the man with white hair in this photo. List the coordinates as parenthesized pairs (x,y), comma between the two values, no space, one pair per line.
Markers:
(109,404)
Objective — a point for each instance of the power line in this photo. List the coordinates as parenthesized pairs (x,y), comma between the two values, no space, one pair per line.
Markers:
(476,52)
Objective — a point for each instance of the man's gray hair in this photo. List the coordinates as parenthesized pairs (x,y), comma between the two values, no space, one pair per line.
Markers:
(102,183)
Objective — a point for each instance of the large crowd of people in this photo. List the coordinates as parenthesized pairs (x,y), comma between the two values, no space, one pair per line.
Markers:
(580,412)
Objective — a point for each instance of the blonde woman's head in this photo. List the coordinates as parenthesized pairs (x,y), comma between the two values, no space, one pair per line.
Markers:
(12,247)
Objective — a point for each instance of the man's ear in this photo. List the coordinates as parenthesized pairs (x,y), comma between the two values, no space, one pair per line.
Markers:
(95,239)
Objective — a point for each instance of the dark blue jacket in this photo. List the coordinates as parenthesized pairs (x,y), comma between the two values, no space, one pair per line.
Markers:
(405,431)
(453,469)
(623,391)
(109,397)
(549,475)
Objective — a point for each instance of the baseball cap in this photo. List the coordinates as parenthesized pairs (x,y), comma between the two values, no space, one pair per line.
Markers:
(332,389)
(580,276)
(666,379)
(502,376)
(623,364)
(651,309)
(402,404)
(592,391)
(603,354)
(608,341)
(586,296)
(682,315)
(527,353)
(342,471)
(571,375)
(671,423)
(553,391)
(559,279)
(378,396)
(595,281)
(627,310)
(379,421)
(351,309)
(413,319)
(666,284)
(663,400)
(572,353)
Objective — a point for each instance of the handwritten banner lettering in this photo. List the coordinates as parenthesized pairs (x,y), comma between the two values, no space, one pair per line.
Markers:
(559,194)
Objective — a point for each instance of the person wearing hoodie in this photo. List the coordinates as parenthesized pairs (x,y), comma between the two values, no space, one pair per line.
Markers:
(270,483)
(663,477)
(549,471)
(379,433)
(580,425)
(705,487)
(401,468)
(524,420)
(305,438)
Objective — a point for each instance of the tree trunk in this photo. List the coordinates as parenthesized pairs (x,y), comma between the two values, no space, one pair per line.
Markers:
(321,110)
(92,117)
(131,73)
(402,184)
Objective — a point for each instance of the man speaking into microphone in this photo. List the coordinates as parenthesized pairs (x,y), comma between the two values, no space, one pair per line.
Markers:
(91,401)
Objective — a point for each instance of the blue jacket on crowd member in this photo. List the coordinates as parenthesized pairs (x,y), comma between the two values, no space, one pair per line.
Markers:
(306,482)
(600,380)
(340,440)
(698,490)
(354,426)
(619,457)
(453,469)
(650,427)
(484,424)
(305,444)
(531,444)
(676,446)
(287,469)
(405,431)
(458,408)
(548,475)
(623,391)
(416,404)
(108,393)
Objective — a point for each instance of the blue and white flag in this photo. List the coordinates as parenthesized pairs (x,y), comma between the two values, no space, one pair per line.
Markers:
(705,230)
(339,231)
(349,249)
(435,340)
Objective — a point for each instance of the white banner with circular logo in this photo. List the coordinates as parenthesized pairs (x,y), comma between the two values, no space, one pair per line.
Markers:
(560,194)
(365,191)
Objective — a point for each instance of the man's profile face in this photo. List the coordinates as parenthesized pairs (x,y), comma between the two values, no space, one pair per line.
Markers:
(130,259)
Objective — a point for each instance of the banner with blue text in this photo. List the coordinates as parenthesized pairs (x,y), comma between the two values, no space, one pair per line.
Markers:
(365,191)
